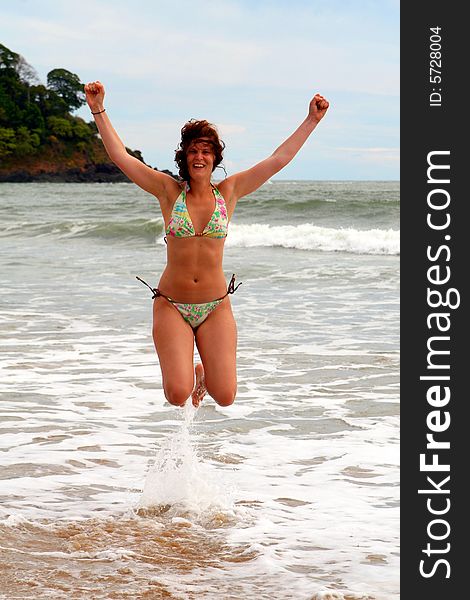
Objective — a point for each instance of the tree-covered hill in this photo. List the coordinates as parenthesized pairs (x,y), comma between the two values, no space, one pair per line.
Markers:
(40,140)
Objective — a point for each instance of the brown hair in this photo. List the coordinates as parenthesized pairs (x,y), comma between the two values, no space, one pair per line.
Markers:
(192,131)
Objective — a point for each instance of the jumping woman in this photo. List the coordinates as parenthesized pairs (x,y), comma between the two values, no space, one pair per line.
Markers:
(191,302)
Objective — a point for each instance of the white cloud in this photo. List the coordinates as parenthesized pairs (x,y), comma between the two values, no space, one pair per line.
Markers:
(280,48)
(248,67)
(376,155)
(230,128)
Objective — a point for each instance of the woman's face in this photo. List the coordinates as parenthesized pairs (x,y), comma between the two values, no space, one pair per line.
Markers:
(200,159)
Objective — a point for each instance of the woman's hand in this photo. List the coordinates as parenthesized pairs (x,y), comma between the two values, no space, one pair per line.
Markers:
(94,92)
(318,107)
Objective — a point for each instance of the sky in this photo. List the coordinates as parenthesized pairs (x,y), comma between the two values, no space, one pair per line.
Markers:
(250,67)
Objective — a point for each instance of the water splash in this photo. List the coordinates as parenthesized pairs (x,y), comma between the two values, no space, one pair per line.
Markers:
(179,481)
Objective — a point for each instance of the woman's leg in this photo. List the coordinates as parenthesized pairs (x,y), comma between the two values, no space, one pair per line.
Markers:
(216,340)
(174,342)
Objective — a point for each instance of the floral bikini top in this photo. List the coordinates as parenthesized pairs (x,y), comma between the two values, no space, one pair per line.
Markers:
(180,224)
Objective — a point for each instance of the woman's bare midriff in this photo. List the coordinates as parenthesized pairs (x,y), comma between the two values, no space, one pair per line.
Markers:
(194,270)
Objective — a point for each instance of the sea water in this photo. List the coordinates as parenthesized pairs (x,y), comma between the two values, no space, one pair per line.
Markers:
(107,491)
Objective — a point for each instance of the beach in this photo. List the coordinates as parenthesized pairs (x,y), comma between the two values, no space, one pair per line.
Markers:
(107,491)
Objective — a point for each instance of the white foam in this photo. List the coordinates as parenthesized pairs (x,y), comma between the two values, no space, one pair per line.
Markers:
(111,555)
(312,237)
(13,520)
(180,479)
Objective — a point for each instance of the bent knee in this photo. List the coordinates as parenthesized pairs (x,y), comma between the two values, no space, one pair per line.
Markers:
(224,397)
(176,394)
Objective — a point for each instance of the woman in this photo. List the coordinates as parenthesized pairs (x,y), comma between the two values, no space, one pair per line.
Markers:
(191,302)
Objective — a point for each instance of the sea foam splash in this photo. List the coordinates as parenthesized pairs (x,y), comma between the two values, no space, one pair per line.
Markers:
(179,480)
(312,237)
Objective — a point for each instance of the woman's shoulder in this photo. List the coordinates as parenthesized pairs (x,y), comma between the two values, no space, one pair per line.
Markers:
(225,187)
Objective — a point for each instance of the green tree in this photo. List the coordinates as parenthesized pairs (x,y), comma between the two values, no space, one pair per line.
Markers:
(81,129)
(48,101)
(60,127)
(33,118)
(8,59)
(7,141)
(10,102)
(26,142)
(36,119)
(67,86)
(20,142)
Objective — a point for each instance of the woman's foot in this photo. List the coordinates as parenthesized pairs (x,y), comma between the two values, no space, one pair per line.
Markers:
(200,387)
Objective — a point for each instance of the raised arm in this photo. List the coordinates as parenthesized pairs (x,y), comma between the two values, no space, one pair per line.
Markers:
(159,184)
(248,181)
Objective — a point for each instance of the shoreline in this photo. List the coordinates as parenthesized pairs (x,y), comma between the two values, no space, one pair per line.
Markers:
(100,173)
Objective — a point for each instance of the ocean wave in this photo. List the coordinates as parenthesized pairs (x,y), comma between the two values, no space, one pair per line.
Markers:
(312,237)
(352,201)
(301,237)
(134,228)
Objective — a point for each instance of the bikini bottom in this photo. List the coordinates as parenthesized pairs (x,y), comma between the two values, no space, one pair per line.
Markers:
(194,314)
